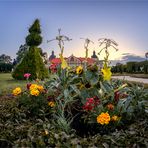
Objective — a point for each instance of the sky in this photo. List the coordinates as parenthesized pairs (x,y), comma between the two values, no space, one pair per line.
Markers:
(125,21)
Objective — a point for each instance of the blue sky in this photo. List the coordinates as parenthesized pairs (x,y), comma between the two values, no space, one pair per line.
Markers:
(124,21)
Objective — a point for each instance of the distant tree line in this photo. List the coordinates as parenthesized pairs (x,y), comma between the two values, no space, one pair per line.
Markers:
(5,63)
(131,67)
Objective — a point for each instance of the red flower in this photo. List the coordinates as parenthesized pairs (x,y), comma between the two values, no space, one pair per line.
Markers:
(91,103)
(53,68)
(116,96)
(28,85)
(124,95)
(97,101)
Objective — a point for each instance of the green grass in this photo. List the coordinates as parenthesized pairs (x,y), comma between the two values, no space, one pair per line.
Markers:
(7,83)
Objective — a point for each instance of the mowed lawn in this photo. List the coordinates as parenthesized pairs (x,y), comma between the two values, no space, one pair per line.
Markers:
(7,83)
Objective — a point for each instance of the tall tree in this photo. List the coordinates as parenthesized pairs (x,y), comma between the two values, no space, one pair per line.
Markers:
(5,59)
(32,62)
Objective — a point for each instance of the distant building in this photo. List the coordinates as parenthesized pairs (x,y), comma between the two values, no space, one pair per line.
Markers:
(73,61)
(94,56)
(52,56)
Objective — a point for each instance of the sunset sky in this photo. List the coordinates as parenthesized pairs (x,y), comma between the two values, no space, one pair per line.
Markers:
(124,21)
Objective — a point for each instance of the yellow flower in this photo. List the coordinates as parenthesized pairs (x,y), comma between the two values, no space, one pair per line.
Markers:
(63,62)
(40,88)
(51,104)
(103,118)
(115,118)
(34,92)
(79,70)
(33,86)
(16,91)
(106,73)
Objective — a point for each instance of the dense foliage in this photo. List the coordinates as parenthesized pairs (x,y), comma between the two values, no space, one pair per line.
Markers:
(34,38)
(6,67)
(131,67)
(37,117)
(5,58)
(32,61)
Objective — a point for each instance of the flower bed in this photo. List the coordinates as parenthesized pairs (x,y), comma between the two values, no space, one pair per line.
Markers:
(76,107)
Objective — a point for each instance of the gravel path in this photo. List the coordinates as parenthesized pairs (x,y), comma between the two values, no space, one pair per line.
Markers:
(131,79)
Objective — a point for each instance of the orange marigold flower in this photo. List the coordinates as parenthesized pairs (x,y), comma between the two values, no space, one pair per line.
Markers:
(110,106)
(34,92)
(115,118)
(16,91)
(40,88)
(103,118)
(33,86)
(51,104)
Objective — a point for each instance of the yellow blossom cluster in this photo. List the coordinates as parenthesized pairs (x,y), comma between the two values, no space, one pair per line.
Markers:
(51,104)
(79,70)
(16,91)
(106,73)
(36,89)
(115,118)
(103,118)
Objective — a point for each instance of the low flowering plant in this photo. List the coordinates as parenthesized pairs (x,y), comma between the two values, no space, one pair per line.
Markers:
(17,91)
(27,75)
(33,99)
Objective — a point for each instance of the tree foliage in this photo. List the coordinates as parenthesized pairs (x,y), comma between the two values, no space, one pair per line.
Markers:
(34,38)
(5,59)
(32,62)
(131,67)
(6,67)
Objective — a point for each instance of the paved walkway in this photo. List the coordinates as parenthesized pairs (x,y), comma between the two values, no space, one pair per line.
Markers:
(131,79)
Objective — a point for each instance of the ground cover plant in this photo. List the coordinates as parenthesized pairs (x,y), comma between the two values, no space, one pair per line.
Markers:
(75,107)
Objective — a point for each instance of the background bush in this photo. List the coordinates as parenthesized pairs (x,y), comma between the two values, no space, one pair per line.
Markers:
(6,67)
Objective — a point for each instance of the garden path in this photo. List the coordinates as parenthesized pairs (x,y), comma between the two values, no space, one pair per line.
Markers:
(141,80)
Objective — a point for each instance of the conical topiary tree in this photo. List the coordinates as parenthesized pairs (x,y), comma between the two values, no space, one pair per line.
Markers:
(32,62)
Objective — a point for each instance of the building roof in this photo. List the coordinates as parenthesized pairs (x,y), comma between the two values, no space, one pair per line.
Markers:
(58,61)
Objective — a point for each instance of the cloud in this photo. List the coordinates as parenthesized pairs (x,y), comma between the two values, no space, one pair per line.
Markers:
(126,57)
(126,54)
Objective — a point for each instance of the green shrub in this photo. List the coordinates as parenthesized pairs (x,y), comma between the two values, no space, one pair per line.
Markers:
(32,62)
